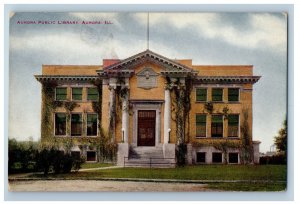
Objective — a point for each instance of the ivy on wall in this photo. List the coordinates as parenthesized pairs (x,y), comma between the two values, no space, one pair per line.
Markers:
(220,144)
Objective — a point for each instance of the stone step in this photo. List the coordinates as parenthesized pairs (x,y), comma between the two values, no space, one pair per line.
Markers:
(145,162)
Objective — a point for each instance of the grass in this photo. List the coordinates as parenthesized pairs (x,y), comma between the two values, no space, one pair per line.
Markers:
(203,172)
(248,186)
(95,165)
(271,173)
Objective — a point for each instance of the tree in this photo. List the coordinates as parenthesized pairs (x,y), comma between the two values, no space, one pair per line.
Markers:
(281,139)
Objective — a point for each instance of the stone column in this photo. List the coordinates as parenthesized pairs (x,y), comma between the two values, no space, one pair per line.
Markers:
(157,127)
(112,111)
(167,116)
(125,118)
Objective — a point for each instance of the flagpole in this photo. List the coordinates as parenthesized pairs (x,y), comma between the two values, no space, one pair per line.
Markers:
(148,31)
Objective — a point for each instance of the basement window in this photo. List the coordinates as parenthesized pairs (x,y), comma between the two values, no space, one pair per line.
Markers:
(217,157)
(233,158)
(201,157)
(91,156)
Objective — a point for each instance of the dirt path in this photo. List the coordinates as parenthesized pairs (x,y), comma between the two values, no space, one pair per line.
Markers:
(110,186)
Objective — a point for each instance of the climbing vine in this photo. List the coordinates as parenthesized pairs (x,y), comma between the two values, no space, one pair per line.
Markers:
(246,148)
(221,144)
(181,106)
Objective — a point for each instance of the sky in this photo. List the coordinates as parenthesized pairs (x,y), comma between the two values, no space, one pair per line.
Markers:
(258,39)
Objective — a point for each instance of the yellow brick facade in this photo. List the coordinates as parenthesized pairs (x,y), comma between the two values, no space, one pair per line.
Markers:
(75,77)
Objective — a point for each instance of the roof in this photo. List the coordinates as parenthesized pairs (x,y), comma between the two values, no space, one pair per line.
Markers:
(128,64)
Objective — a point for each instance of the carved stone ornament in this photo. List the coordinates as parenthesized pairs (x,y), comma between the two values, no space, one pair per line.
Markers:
(147,78)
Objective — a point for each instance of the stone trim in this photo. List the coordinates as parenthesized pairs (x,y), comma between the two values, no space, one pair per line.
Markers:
(146,106)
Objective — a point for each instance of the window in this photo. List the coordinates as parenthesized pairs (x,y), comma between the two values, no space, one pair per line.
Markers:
(91,156)
(217,126)
(216,157)
(76,125)
(60,124)
(61,94)
(217,94)
(91,124)
(201,157)
(200,125)
(201,94)
(233,94)
(92,94)
(76,93)
(233,125)
(233,158)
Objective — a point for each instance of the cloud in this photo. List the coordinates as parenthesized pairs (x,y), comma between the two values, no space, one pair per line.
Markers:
(266,30)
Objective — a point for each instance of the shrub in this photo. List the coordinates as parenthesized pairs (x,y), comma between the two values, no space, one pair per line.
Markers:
(275,159)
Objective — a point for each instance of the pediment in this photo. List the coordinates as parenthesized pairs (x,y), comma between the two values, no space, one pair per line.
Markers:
(128,65)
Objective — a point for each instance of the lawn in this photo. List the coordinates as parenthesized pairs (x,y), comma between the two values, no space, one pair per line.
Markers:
(275,174)
(95,165)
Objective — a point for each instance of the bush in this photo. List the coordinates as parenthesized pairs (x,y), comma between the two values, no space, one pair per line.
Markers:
(276,159)
(57,161)
(21,156)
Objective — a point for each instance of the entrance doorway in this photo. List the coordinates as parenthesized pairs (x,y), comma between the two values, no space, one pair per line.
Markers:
(146,127)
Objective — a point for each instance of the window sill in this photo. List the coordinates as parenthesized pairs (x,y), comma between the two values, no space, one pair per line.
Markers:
(201,137)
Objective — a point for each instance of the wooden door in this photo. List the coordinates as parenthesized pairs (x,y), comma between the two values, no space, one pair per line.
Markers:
(146,127)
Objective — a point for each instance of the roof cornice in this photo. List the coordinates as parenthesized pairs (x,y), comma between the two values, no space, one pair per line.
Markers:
(227,79)
(51,78)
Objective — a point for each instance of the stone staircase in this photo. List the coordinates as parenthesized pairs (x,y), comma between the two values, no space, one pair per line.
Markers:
(148,157)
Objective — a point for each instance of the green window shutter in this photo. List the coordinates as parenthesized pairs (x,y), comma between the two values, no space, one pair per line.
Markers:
(233,125)
(217,94)
(61,93)
(233,119)
(217,119)
(233,94)
(200,125)
(200,119)
(201,94)
(76,118)
(76,93)
(60,124)
(91,118)
(61,117)
(91,124)
(92,94)
(76,125)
